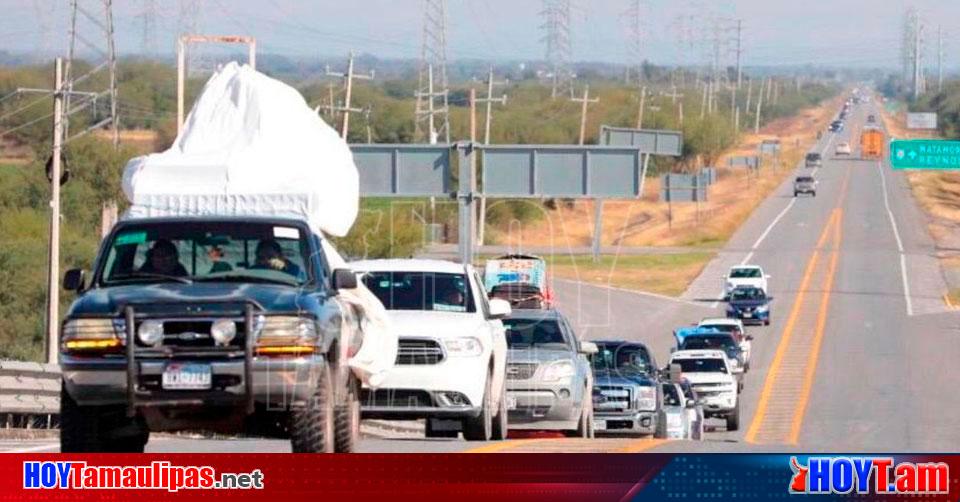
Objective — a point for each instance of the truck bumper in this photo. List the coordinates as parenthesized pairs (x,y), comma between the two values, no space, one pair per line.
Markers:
(638,423)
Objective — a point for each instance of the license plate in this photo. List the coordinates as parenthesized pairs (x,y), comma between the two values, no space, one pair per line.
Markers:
(747,315)
(599,425)
(186,376)
(511,403)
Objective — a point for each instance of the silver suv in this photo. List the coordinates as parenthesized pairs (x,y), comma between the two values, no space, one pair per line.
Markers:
(805,184)
(814,159)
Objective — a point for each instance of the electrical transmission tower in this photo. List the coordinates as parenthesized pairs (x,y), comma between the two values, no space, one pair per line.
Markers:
(148,21)
(91,27)
(44,22)
(633,18)
(556,14)
(433,92)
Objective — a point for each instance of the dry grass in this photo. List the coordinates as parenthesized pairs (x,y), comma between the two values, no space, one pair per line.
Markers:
(665,274)
(731,200)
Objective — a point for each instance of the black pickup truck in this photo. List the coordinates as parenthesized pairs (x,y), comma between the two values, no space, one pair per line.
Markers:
(213,324)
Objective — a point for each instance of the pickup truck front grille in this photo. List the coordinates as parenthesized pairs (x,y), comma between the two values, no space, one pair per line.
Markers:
(418,351)
(194,334)
(521,371)
(612,398)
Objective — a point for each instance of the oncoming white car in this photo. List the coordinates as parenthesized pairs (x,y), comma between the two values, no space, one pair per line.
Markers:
(843,148)
(451,362)
(745,275)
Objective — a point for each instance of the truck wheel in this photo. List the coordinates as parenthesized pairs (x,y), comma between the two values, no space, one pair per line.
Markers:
(481,427)
(794,193)
(733,419)
(312,428)
(347,418)
(501,425)
(660,432)
(431,432)
(98,429)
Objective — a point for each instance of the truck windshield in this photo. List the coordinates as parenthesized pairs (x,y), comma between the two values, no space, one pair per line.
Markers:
(421,291)
(622,358)
(745,273)
(719,342)
(711,365)
(526,333)
(207,251)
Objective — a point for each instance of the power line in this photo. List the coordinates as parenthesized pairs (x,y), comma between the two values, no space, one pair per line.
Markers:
(93,28)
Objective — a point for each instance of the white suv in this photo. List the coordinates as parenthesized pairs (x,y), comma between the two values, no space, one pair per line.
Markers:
(745,275)
(709,372)
(451,361)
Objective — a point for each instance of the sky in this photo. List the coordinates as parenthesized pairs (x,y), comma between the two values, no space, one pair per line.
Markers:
(775,32)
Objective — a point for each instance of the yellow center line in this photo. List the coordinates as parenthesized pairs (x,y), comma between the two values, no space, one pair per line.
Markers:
(505,445)
(771,377)
(811,368)
(641,445)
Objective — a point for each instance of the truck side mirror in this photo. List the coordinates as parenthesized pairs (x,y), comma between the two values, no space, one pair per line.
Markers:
(344,278)
(74,279)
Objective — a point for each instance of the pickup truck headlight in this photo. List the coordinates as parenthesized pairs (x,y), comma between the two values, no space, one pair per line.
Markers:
(285,335)
(647,399)
(93,335)
(466,346)
(150,333)
(558,371)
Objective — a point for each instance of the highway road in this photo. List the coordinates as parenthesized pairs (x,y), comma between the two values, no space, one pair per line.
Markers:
(860,356)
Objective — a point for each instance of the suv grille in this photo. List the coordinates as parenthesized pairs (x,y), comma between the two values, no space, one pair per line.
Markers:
(419,351)
(612,398)
(521,371)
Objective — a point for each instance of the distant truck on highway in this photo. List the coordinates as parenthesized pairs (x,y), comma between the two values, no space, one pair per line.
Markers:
(519,279)
(871,143)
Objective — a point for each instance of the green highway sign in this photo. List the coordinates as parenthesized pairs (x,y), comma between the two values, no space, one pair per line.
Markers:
(924,154)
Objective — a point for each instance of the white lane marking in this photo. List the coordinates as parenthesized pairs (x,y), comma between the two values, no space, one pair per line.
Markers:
(43,447)
(632,291)
(896,235)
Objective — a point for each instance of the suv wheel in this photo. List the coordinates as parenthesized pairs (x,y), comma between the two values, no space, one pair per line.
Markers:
(98,429)
(347,418)
(312,428)
(585,424)
(501,419)
(733,419)
(481,427)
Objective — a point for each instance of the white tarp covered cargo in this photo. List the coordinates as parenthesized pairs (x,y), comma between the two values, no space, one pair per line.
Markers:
(252,147)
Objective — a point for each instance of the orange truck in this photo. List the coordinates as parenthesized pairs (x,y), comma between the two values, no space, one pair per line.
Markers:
(871,143)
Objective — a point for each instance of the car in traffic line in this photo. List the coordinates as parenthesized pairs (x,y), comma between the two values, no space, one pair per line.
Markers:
(745,275)
(805,185)
(813,159)
(626,389)
(697,338)
(843,148)
(451,361)
(836,126)
(735,328)
(749,304)
(709,372)
(549,379)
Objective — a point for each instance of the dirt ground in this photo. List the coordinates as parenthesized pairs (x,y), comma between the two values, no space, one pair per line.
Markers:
(730,200)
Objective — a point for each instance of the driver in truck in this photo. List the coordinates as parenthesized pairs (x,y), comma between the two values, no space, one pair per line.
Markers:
(163,258)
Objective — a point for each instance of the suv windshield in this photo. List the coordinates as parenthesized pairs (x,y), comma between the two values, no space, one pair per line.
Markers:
(525,333)
(711,365)
(421,291)
(745,273)
(187,251)
(623,358)
(710,342)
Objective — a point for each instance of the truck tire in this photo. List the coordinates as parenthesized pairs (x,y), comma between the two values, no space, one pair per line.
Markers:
(733,419)
(501,426)
(794,193)
(98,429)
(312,427)
(347,418)
(481,427)
(660,431)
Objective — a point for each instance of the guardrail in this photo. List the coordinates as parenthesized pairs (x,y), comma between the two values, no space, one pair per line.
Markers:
(29,395)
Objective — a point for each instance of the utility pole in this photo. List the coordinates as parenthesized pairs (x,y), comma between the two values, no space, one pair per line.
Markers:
(348,79)
(556,14)
(756,124)
(433,74)
(739,51)
(489,101)
(643,102)
(939,58)
(148,19)
(585,101)
(53,291)
(634,20)
(916,60)
(91,24)
(749,95)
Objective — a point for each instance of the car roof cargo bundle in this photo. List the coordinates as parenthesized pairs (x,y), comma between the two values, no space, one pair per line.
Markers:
(250,147)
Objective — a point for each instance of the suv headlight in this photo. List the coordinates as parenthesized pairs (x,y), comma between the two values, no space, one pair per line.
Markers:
(559,370)
(647,399)
(285,335)
(467,346)
(763,308)
(93,335)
